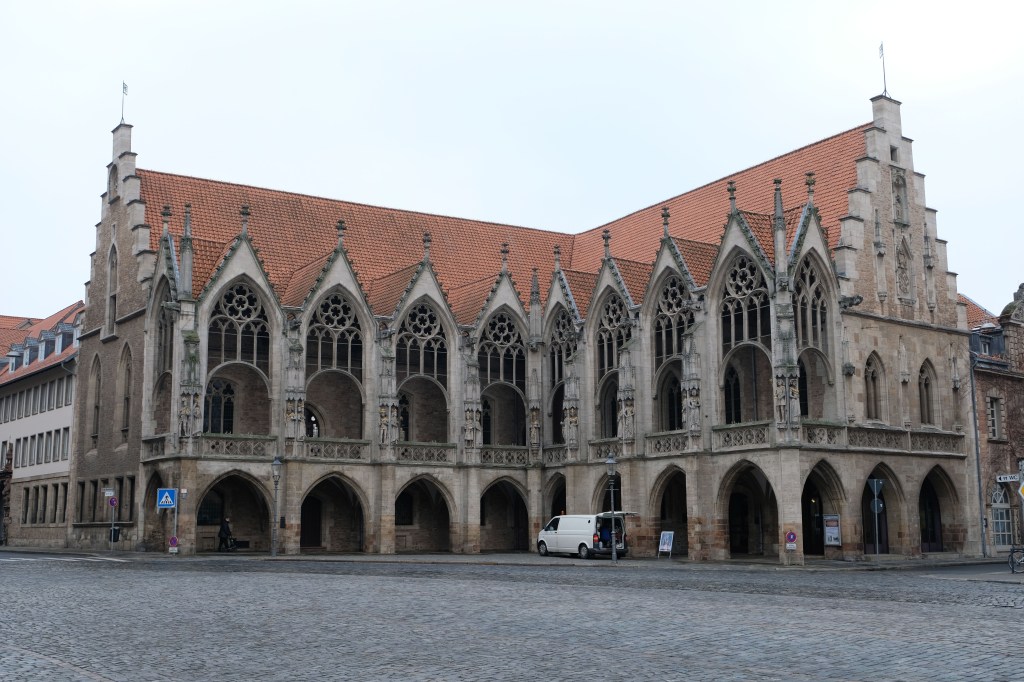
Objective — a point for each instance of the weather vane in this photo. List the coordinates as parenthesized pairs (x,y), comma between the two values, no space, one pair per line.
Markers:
(124,93)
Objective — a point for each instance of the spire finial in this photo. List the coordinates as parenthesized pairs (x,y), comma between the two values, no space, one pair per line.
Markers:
(664,221)
(778,197)
(166,214)
(535,288)
(558,257)
(731,188)
(245,219)
(188,220)
(426,246)
(341,231)
(504,256)
(810,187)
(607,237)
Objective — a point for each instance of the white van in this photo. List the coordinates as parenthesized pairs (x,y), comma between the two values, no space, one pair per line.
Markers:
(585,535)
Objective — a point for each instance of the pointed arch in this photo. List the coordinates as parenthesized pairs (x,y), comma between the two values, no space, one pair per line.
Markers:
(501,351)
(745,310)
(816,380)
(554,495)
(334,336)
(927,400)
(95,398)
(811,307)
(332,516)
(746,384)
(112,288)
(504,520)
(614,329)
(673,318)
(124,392)
(239,328)
(874,388)
(748,510)
(422,344)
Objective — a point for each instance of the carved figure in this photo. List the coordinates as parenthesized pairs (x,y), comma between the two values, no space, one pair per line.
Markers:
(626,419)
(572,423)
(693,407)
(794,398)
(467,428)
(534,426)
(383,424)
(780,400)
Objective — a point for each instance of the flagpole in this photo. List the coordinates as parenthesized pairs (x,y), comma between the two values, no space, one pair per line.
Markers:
(881,55)
(124,93)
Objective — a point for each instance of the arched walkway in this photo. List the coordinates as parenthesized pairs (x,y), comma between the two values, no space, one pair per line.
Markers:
(332,518)
(239,499)
(822,497)
(422,518)
(555,496)
(751,510)
(159,523)
(884,514)
(672,514)
(504,522)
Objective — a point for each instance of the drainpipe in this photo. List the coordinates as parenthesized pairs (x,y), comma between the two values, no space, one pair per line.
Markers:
(977,455)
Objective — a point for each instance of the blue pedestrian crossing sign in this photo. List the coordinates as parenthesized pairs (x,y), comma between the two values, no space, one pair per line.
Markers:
(166,498)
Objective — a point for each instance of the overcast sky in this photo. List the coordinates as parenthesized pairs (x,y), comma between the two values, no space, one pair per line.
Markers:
(555,115)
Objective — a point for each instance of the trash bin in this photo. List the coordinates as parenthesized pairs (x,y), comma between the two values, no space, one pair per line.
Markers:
(115,534)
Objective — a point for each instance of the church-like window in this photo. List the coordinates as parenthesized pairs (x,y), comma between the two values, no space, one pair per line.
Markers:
(164,333)
(673,319)
(95,393)
(334,340)
(872,389)
(924,390)
(239,329)
(745,311)
(613,331)
(733,399)
(422,348)
(125,381)
(811,308)
(111,290)
(502,356)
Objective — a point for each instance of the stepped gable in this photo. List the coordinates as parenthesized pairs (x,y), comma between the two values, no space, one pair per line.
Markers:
(289,229)
(700,215)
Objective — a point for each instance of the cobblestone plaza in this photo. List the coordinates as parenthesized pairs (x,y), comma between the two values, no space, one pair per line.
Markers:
(129,617)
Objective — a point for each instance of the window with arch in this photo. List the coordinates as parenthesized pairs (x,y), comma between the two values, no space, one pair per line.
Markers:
(95,395)
(239,329)
(219,415)
(925,395)
(811,307)
(111,290)
(421,346)
(312,423)
(562,344)
(502,354)
(614,330)
(670,398)
(164,333)
(125,390)
(873,388)
(746,314)
(1002,524)
(334,339)
(672,321)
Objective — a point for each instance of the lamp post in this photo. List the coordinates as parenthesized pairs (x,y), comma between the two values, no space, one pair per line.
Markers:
(610,463)
(275,473)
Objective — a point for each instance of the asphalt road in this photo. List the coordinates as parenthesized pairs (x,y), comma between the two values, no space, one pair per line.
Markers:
(506,617)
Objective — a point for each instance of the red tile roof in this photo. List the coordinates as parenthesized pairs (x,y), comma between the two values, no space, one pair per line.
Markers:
(976,315)
(294,233)
(9,337)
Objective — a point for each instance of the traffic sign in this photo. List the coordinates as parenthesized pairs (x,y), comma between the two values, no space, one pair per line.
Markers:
(1020,490)
(790,536)
(166,498)
(113,501)
(174,541)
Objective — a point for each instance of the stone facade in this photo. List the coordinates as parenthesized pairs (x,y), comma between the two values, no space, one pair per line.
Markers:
(748,381)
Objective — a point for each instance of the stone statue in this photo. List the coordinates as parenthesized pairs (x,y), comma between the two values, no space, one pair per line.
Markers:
(383,424)
(572,427)
(781,398)
(693,407)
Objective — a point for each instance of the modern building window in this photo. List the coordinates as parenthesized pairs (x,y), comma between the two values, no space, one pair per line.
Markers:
(1002,524)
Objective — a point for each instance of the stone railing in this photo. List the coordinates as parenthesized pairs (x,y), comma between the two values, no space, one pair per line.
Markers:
(601,449)
(333,448)
(425,452)
(556,454)
(824,434)
(512,455)
(668,442)
(926,441)
(154,447)
(247,446)
(878,438)
(749,435)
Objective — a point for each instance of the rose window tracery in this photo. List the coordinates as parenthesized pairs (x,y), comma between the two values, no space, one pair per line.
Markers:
(334,339)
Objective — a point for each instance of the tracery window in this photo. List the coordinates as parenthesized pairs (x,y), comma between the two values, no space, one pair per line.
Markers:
(562,344)
(164,333)
(502,355)
(219,415)
(872,389)
(239,329)
(334,339)
(672,320)
(422,348)
(746,315)
(811,308)
(95,393)
(126,391)
(614,330)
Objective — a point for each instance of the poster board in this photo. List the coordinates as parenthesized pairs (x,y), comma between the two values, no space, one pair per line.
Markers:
(665,543)
(833,534)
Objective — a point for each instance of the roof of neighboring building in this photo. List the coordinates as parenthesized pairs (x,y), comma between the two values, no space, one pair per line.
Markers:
(976,315)
(295,234)
(35,331)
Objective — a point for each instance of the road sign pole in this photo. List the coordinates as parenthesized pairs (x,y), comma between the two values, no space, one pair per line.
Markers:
(175,523)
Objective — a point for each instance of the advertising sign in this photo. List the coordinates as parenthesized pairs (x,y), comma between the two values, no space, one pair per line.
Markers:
(833,538)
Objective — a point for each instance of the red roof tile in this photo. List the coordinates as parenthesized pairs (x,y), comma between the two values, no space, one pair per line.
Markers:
(976,315)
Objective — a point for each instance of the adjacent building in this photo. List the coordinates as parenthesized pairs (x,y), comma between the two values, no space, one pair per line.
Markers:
(776,363)
(37,387)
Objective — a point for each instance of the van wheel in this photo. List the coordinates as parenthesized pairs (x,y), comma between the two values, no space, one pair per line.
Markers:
(542,549)
(584,552)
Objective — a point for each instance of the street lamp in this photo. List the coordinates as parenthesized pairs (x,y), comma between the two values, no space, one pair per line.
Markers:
(610,463)
(275,473)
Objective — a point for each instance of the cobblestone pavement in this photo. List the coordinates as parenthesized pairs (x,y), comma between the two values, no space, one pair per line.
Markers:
(78,617)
